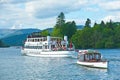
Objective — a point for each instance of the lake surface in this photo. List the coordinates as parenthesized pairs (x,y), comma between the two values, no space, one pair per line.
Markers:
(14,66)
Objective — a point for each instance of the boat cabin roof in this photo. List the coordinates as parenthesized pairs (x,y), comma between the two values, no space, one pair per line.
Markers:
(89,52)
(92,53)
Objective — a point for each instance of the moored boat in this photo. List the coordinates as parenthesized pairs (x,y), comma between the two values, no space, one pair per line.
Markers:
(91,58)
(47,46)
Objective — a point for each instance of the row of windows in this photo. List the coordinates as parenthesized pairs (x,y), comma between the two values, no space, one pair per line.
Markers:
(36,40)
(44,39)
(43,47)
(33,47)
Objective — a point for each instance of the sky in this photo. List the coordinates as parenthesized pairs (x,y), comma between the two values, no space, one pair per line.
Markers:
(42,14)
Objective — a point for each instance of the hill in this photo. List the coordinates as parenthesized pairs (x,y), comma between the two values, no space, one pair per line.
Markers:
(5,32)
(79,27)
(17,37)
(2,44)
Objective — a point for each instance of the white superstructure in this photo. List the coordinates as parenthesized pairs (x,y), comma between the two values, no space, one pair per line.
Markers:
(47,47)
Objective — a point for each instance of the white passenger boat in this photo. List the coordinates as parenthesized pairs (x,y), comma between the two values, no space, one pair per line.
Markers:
(91,58)
(47,47)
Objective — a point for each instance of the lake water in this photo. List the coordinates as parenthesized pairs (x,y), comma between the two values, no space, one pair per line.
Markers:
(14,66)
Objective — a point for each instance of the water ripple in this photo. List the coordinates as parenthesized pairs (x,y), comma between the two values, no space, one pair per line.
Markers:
(13,66)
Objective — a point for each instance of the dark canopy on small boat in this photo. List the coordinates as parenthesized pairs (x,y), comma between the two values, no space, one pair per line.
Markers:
(92,52)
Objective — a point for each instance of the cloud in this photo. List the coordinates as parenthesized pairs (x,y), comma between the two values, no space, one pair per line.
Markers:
(13,1)
(111,5)
(38,13)
(44,9)
(16,26)
(115,18)
(92,9)
(42,13)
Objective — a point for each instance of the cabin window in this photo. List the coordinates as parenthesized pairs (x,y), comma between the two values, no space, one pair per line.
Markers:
(33,40)
(45,39)
(48,47)
(38,40)
(39,47)
(35,47)
(45,47)
(26,46)
(90,57)
(52,46)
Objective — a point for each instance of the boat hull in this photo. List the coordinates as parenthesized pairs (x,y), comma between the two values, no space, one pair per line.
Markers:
(48,53)
(100,64)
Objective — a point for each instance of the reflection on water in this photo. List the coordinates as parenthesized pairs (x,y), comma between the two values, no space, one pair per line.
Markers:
(13,66)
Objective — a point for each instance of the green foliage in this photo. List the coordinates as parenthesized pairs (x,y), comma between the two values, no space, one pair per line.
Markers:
(102,24)
(60,23)
(44,33)
(16,40)
(77,39)
(57,32)
(99,36)
(2,44)
(60,20)
(69,29)
(61,28)
(103,35)
(88,23)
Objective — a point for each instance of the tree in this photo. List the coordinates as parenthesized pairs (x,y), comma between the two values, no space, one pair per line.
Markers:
(99,36)
(95,24)
(69,29)
(61,28)
(102,24)
(77,39)
(82,38)
(88,23)
(57,32)
(117,36)
(110,24)
(109,42)
(60,23)
(60,20)
(44,33)
(2,44)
